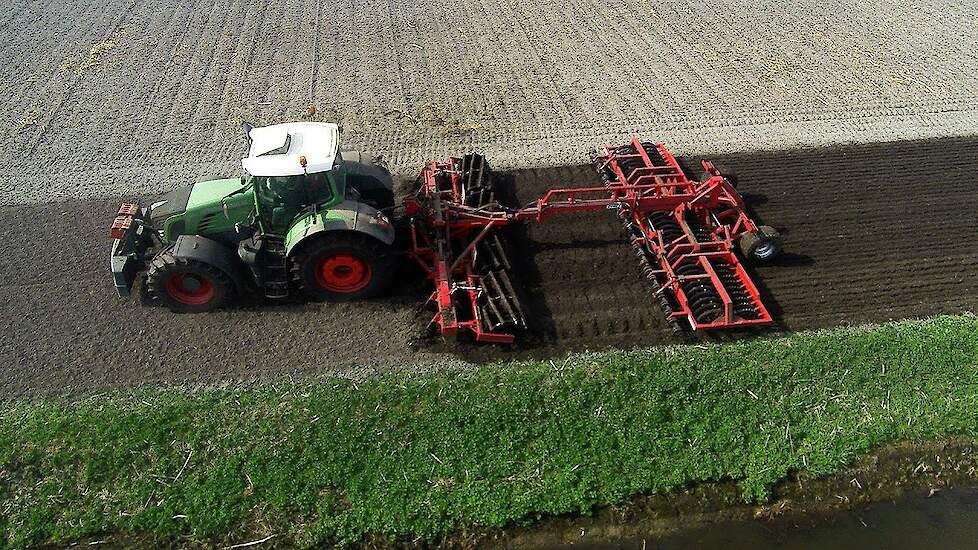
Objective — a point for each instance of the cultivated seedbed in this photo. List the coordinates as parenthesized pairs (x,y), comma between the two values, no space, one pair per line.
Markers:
(873,232)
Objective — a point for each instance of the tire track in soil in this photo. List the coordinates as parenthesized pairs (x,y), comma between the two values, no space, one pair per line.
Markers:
(873,232)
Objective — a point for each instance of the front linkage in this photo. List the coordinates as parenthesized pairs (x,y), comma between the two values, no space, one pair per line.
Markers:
(133,237)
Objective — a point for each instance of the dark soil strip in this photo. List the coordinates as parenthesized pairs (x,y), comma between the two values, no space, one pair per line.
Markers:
(873,232)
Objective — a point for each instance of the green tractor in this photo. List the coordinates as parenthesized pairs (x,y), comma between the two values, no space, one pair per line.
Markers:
(306,217)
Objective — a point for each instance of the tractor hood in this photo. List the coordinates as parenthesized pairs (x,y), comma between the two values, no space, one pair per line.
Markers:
(170,204)
(207,193)
(191,197)
(198,210)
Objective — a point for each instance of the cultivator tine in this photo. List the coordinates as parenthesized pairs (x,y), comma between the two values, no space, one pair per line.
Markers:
(499,304)
(476,181)
(646,260)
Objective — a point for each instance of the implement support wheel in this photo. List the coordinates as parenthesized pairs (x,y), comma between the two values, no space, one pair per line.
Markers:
(762,245)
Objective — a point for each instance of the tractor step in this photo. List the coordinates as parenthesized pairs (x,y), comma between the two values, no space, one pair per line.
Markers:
(265,255)
(275,271)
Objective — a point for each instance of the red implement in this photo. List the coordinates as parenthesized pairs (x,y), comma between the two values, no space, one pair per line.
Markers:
(683,231)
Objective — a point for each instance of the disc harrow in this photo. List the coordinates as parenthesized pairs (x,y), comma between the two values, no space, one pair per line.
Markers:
(684,234)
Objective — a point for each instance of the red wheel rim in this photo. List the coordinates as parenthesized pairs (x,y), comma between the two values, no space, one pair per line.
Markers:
(343,273)
(190,288)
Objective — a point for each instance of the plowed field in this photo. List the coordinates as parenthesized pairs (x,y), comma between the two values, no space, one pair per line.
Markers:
(873,232)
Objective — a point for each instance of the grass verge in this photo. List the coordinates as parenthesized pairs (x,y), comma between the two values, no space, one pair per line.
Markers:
(423,455)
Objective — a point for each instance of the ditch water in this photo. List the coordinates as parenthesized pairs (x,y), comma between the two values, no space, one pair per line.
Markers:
(949,520)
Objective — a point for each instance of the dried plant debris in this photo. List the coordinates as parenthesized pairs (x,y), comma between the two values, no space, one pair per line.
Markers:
(95,54)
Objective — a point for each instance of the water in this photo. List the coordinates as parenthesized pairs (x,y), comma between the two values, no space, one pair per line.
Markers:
(949,519)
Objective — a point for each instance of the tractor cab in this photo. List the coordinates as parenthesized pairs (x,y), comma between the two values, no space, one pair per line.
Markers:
(292,167)
(299,164)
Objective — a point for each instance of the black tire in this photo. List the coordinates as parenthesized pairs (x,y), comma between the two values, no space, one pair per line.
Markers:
(381,199)
(761,246)
(342,266)
(187,286)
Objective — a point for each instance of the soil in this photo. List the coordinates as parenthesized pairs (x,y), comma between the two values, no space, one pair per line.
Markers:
(873,232)
(108,97)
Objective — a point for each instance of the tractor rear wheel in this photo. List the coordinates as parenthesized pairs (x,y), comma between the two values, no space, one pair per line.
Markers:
(341,266)
(187,286)
(762,245)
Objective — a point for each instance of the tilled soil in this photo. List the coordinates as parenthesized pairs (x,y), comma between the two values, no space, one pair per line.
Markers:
(873,232)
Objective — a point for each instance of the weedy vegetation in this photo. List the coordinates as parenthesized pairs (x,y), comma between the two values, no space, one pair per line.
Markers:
(423,455)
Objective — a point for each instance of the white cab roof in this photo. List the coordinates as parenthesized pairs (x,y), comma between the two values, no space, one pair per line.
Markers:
(275,150)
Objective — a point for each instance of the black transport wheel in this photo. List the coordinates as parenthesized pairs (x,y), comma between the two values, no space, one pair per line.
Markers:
(187,286)
(342,266)
(762,245)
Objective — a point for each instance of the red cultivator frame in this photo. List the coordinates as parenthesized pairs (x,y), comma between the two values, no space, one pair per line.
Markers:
(683,232)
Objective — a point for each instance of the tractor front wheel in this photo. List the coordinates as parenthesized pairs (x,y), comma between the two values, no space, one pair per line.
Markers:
(186,286)
(340,267)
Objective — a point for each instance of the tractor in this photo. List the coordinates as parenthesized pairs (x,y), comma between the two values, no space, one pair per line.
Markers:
(307,217)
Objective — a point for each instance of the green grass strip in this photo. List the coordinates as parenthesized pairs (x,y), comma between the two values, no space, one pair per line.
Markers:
(421,455)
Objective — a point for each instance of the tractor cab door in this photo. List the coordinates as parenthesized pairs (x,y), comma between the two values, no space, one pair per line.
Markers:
(281,198)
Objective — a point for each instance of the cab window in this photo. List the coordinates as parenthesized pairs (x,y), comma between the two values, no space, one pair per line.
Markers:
(282,198)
